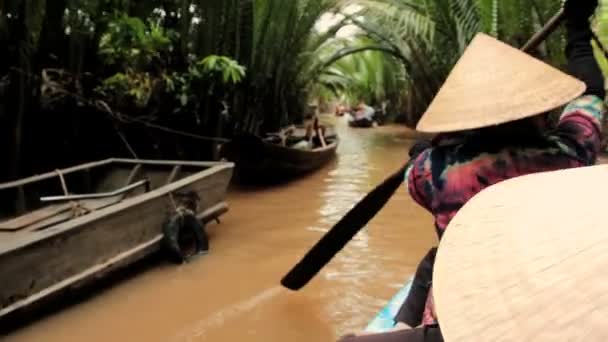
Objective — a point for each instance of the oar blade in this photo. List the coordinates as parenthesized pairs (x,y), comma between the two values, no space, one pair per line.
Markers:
(337,237)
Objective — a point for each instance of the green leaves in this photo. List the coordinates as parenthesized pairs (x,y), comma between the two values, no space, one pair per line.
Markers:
(427,37)
(134,43)
(205,77)
(374,76)
(430,35)
(229,71)
(600,25)
(126,88)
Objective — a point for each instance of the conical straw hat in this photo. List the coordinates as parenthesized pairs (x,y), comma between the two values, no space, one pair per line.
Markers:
(526,260)
(494,83)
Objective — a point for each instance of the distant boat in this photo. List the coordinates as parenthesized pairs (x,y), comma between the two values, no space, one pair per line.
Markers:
(296,134)
(267,160)
(361,123)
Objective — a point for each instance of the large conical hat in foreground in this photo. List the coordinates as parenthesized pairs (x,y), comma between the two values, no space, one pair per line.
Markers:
(494,83)
(527,260)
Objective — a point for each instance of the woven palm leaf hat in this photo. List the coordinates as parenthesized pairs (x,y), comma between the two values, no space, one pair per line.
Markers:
(494,83)
(526,260)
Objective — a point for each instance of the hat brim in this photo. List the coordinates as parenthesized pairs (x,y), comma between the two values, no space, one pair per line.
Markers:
(525,259)
(494,83)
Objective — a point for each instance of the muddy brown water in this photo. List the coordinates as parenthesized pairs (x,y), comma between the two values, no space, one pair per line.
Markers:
(233,294)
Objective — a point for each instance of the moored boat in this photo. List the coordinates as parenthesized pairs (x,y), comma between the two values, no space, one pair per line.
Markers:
(268,160)
(53,240)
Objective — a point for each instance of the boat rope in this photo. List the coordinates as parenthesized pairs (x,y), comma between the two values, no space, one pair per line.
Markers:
(178,132)
(63,185)
(77,209)
(179,209)
(128,119)
(103,106)
(124,140)
(172,201)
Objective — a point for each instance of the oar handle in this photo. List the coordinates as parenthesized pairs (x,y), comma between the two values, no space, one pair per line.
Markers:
(541,35)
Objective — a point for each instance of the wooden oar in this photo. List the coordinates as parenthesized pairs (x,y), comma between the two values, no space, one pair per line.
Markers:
(336,238)
(541,35)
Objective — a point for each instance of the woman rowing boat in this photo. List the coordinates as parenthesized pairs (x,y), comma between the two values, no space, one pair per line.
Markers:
(492,123)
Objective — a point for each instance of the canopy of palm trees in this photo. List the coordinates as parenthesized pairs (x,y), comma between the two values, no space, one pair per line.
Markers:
(79,72)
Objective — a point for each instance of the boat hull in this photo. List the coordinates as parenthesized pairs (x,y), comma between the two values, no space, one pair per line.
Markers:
(384,320)
(41,264)
(261,162)
(361,123)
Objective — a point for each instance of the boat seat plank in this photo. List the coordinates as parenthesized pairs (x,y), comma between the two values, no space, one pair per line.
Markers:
(89,205)
(57,213)
(32,217)
(54,214)
(112,194)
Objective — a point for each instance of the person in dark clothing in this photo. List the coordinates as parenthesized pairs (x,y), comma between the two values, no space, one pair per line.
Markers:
(412,309)
(474,151)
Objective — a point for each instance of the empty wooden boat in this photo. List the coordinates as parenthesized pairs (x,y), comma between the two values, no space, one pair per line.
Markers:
(67,228)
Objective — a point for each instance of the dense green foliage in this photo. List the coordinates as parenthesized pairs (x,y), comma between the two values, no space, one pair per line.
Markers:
(429,36)
(85,79)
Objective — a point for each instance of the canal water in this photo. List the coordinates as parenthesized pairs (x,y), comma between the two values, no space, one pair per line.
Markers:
(234,294)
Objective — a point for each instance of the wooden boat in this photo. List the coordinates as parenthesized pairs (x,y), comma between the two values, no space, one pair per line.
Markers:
(267,161)
(51,242)
(361,123)
(298,134)
(384,320)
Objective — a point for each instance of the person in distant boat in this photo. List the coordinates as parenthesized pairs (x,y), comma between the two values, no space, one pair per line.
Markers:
(341,110)
(365,112)
(285,133)
(491,116)
(315,134)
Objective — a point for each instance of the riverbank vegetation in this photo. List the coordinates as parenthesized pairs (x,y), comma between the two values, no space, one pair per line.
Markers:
(87,79)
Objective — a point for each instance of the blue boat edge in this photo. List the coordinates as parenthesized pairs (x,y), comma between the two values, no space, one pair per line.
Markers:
(384,320)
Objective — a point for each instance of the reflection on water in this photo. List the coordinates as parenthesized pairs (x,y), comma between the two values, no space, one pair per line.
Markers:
(234,293)
(363,263)
(346,184)
(198,330)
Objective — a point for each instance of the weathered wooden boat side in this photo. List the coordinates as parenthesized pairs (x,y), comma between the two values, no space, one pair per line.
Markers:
(38,263)
(293,160)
